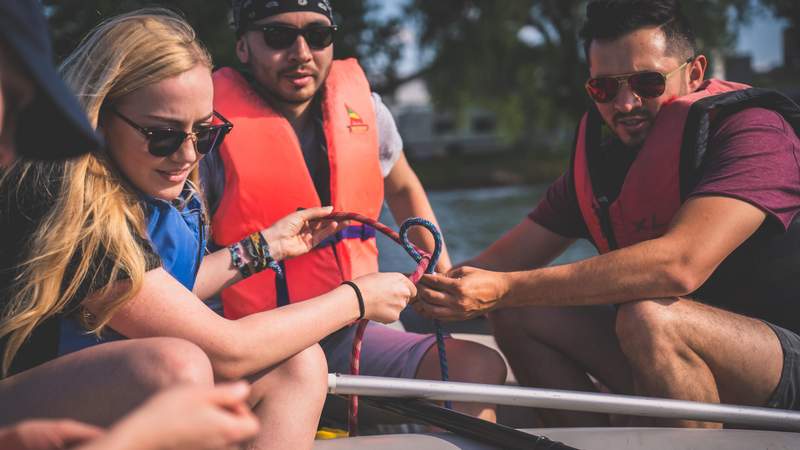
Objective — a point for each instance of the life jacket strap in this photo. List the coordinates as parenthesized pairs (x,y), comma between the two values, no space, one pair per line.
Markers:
(362,232)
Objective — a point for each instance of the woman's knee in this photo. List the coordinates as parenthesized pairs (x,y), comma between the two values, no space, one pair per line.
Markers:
(307,367)
(164,362)
(101,383)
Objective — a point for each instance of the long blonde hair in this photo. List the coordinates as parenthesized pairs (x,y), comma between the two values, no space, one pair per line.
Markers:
(95,213)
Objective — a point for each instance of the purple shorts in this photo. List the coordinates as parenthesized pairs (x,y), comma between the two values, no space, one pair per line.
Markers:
(385,351)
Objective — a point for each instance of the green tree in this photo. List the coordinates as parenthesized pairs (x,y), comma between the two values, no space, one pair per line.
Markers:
(523,59)
(362,33)
(787,9)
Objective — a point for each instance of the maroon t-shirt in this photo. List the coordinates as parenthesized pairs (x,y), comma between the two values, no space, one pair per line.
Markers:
(753,156)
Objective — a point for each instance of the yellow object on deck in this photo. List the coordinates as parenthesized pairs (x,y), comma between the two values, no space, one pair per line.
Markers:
(330,433)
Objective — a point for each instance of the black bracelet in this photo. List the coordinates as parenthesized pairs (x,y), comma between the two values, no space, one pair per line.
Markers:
(361,308)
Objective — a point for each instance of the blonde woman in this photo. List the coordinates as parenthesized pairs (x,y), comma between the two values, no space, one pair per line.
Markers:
(113,242)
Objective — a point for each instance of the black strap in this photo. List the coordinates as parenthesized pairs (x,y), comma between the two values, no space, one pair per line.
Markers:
(282,287)
(467,426)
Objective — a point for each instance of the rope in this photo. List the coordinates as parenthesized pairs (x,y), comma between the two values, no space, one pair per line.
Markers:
(431,266)
(426,263)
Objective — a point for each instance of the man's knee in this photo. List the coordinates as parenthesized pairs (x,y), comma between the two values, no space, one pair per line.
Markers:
(506,326)
(164,362)
(647,329)
(475,363)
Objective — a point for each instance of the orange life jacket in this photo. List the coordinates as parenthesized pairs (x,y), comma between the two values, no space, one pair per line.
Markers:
(266,178)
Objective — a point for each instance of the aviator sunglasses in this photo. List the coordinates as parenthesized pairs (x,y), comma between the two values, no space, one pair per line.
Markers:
(281,37)
(164,141)
(647,84)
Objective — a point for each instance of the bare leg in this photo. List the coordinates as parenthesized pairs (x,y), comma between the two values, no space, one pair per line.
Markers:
(98,385)
(468,362)
(682,349)
(556,347)
(288,400)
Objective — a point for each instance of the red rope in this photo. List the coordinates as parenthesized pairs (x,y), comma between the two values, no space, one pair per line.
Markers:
(355,356)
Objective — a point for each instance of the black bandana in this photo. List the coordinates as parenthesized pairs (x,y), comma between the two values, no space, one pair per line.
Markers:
(246,12)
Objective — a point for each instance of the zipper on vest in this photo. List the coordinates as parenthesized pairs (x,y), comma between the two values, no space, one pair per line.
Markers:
(336,258)
(605,222)
(201,244)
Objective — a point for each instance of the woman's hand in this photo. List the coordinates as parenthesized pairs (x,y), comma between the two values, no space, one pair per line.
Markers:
(299,232)
(47,434)
(385,295)
(200,418)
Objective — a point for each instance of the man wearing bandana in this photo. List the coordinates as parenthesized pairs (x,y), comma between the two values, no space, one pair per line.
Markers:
(308,131)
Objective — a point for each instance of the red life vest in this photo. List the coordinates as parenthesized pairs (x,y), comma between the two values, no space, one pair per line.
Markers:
(761,278)
(651,193)
(266,178)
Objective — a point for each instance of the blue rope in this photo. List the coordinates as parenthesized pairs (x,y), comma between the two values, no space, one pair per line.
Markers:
(434,259)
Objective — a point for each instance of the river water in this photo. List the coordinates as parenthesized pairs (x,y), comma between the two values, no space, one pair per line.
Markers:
(471,219)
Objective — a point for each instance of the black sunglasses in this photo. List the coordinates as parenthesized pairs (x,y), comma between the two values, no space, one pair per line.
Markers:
(647,84)
(165,141)
(281,37)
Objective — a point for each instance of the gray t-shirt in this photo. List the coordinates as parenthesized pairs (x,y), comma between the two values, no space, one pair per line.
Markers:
(390,148)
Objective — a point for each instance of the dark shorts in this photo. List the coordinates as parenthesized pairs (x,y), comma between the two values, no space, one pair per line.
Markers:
(787,393)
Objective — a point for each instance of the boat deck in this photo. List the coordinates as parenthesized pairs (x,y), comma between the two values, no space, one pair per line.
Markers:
(589,439)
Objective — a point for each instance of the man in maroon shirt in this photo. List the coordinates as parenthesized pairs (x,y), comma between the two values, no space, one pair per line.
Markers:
(700,309)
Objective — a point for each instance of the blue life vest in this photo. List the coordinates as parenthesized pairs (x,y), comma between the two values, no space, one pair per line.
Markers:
(179,238)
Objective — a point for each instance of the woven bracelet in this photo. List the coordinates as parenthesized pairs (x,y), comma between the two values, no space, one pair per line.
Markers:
(270,261)
(258,247)
(238,261)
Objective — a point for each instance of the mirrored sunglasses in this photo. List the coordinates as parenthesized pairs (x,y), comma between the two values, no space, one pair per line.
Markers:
(646,84)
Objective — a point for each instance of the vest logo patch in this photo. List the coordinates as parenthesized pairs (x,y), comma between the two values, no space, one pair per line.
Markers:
(357,124)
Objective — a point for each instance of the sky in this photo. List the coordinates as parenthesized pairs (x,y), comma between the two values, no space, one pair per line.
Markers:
(762,38)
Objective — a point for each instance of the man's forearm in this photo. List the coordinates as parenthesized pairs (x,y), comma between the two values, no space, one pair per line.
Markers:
(641,271)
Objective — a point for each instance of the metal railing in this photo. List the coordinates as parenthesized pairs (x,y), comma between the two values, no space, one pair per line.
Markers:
(763,418)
